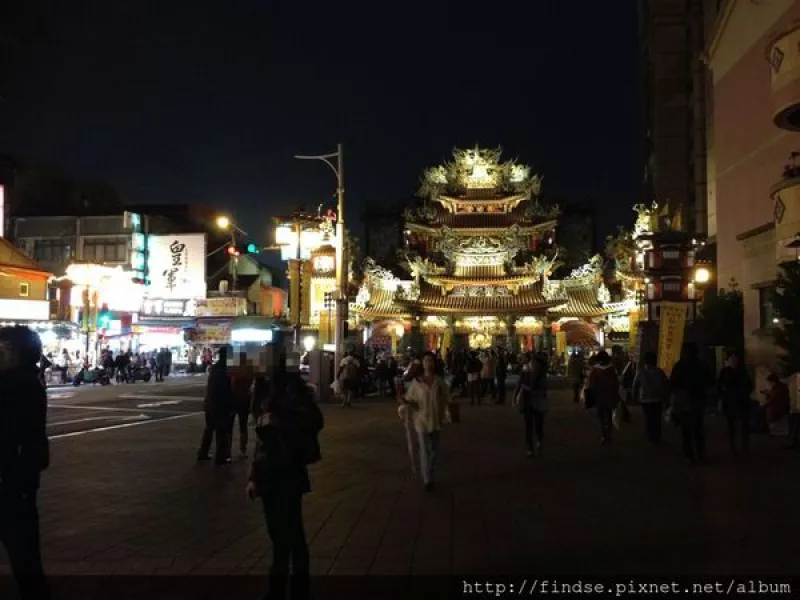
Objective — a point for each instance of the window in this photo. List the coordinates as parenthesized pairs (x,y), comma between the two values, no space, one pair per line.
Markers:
(52,251)
(767,312)
(104,251)
(672,287)
(24,289)
(671,255)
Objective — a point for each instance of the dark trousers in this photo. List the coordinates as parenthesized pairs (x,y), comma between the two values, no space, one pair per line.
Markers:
(215,427)
(534,422)
(475,391)
(794,429)
(740,415)
(501,390)
(487,385)
(693,432)
(653,414)
(604,415)
(160,370)
(19,533)
(577,386)
(283,511)
(243,414)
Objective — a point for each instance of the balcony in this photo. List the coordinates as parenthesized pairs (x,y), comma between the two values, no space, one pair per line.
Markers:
(786,207)
(783,56)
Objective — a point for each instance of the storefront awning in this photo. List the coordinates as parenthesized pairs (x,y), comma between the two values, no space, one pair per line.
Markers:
(176,322)
(253,322)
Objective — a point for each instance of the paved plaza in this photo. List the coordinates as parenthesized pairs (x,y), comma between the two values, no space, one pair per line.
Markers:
(127,497)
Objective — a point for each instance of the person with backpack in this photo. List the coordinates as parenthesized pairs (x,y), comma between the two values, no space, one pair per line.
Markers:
(24,454)
(349,378)
(288,425)
(531,397)
(650,388)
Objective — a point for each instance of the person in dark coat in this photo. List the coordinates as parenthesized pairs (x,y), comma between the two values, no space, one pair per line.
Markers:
(734,389)
(241,386)
(24,454)
(604,384)
(284,407)
(688,382)
(218,407)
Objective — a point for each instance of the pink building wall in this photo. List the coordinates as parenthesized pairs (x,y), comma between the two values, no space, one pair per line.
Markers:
(750,152)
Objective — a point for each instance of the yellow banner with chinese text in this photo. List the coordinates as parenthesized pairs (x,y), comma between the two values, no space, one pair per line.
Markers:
(670,334)
(561,342)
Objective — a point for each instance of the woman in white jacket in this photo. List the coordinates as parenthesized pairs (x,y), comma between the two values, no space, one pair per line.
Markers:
(427,399)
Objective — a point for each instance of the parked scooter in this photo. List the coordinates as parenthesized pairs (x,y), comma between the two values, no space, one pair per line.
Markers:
(93,376)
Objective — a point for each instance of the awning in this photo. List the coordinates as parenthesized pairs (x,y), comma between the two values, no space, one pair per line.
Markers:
(177,322)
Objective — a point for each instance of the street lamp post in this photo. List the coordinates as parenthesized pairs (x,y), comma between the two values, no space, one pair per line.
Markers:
(226,224)
(341,268)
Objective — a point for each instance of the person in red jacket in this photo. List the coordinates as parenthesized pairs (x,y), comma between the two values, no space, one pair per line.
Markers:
(604,385)
(777,404)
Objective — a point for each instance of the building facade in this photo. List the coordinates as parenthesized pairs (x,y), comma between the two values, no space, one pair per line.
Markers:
(753,56)
(673,87)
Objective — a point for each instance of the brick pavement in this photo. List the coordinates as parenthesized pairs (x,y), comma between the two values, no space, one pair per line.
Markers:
(134,502)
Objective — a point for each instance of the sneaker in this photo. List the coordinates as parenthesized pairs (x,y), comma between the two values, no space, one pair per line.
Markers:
(220,463)
(202,458)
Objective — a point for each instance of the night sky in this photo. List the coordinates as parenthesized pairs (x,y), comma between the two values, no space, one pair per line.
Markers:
(201,101)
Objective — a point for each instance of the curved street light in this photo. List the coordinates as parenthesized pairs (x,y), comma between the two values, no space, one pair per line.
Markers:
(341,268)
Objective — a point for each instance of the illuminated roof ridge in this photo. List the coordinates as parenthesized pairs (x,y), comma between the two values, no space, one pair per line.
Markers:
(477,179)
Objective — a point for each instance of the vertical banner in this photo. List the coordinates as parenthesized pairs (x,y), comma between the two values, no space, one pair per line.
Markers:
(561,342)
(633,335)
(294,290)
(325,328)
(306,300)
(670,334)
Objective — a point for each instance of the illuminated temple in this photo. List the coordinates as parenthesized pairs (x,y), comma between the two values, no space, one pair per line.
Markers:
(480,253)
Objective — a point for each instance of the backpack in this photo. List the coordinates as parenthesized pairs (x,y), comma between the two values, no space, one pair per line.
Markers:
(351,371)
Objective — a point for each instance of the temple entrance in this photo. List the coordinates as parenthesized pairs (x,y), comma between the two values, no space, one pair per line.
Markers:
(480,341)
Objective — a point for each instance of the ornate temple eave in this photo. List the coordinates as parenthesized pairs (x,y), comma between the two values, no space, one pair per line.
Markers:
(581,303)
(529,301)
(479,203)
(508,281)
(483,224)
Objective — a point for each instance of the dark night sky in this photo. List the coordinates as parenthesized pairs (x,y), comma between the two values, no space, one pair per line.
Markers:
(201,101)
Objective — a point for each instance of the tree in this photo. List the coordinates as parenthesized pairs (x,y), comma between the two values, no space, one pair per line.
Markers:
(786,302)
(722,317)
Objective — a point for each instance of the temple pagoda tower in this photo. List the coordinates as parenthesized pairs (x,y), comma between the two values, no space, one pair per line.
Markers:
(480,250)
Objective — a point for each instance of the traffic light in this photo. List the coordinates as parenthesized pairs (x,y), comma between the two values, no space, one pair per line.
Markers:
(252,249)
(233,250)
(104,317)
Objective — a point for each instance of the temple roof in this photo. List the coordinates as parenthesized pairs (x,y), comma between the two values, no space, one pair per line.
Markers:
(381,304)
(529,300)
(480,220)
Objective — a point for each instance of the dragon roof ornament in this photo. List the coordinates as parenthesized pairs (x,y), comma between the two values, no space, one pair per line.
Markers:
(479,168)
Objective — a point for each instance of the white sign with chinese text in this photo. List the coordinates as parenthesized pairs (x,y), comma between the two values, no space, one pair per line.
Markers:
(176,266)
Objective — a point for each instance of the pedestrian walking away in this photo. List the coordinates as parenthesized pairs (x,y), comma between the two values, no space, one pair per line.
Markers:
(604,385)
(241,390)
(688,382)
(218,407)
(24,454)
(427,399)
(734,389)
(288,425)
(531,397)
(650,388)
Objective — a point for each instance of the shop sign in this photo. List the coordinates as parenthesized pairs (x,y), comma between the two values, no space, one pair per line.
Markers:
(167,307)
(176,266)
(26,310)
(222,307)
(212,334)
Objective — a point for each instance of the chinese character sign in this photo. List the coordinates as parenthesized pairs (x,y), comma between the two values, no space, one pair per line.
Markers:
(176,265)
(670,334)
